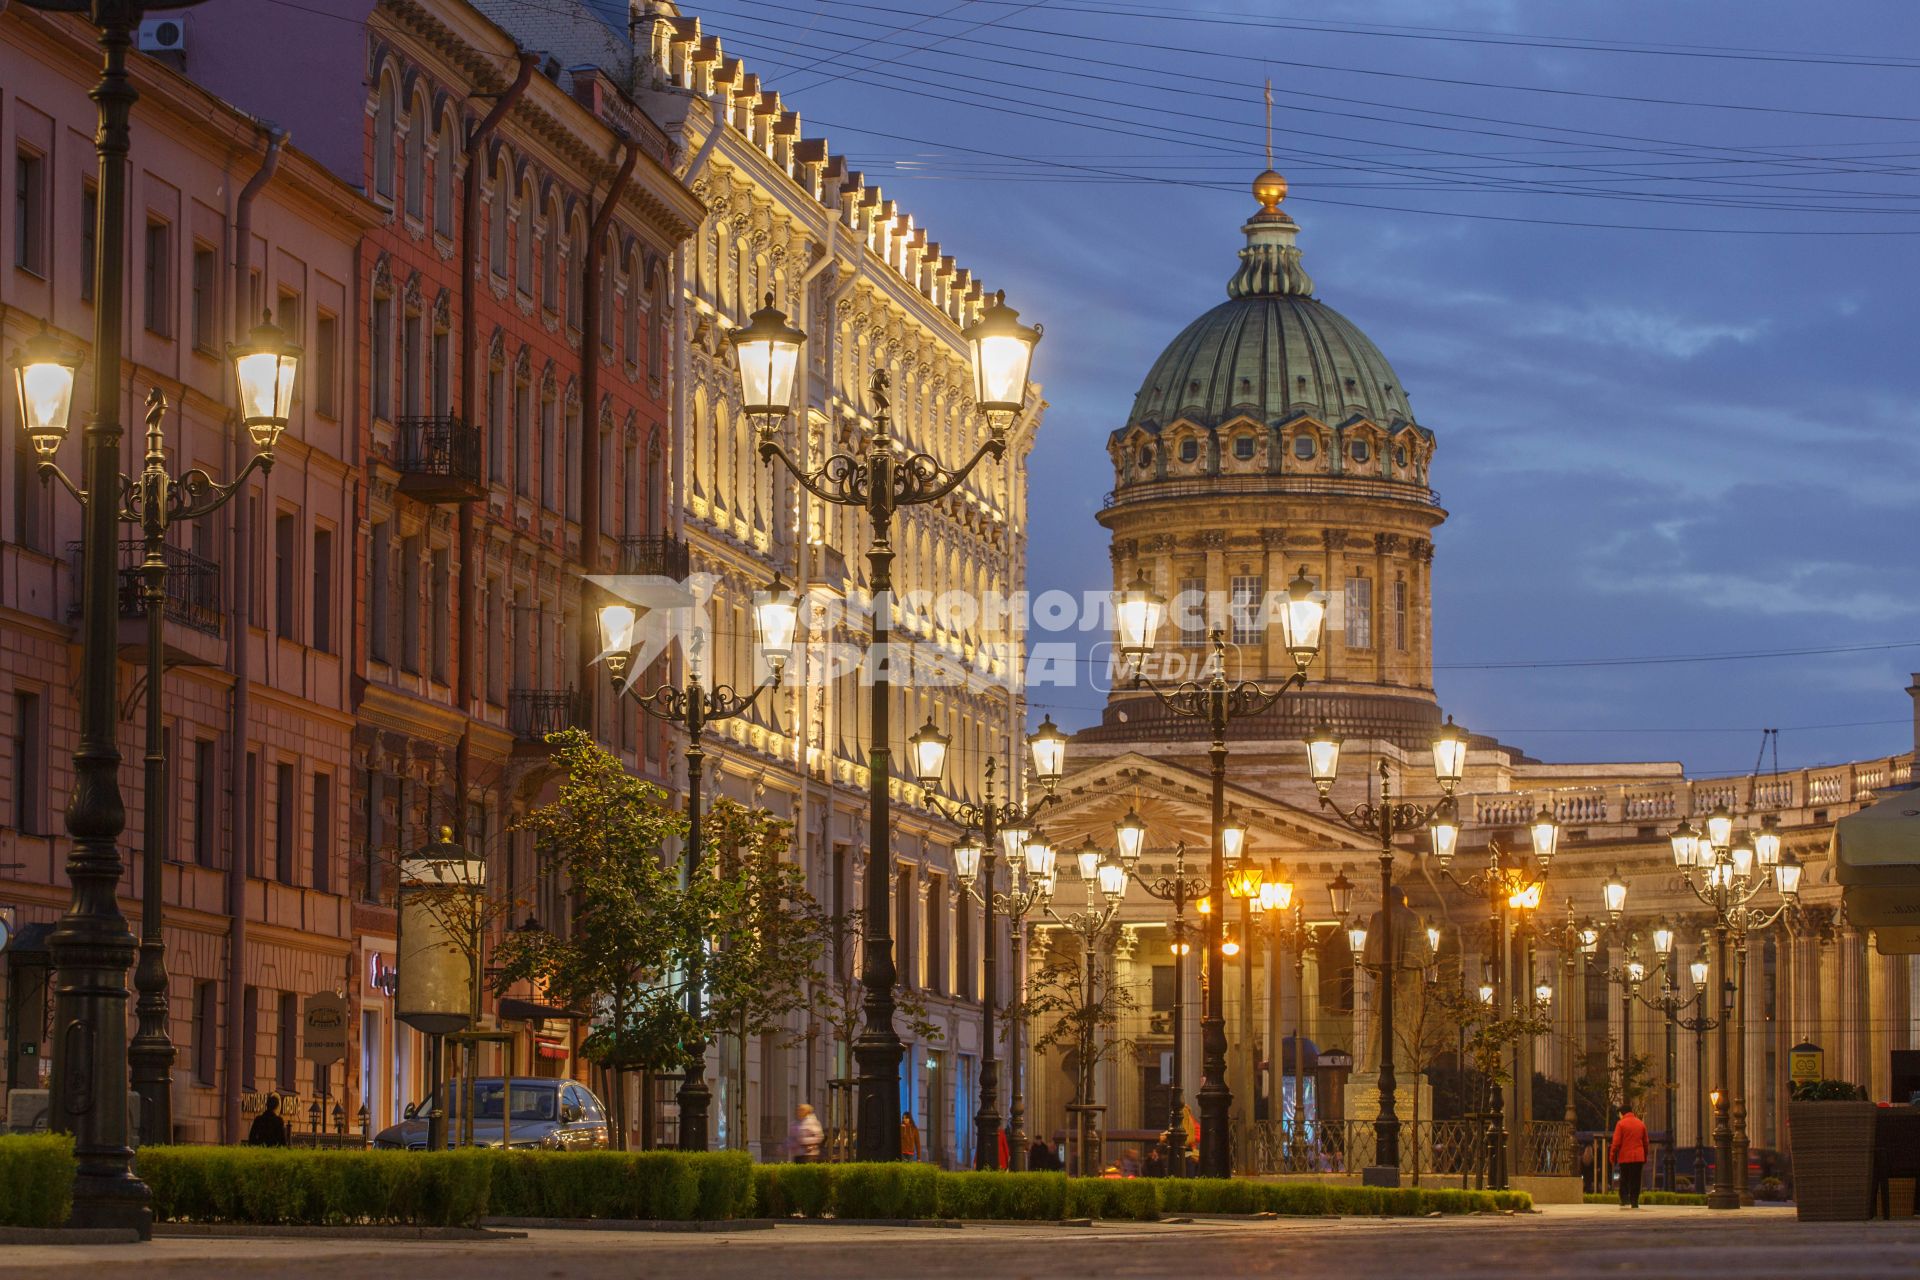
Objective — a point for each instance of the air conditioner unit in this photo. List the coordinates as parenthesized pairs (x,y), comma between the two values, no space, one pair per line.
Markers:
(163,35)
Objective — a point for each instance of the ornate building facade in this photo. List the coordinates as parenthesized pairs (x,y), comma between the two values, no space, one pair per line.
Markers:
(1272,436)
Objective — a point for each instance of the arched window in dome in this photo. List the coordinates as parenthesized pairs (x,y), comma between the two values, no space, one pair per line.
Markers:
(1146,457)
(1189,450)
(1360,451)
(1303,447)
(1243,448)
(1400,455)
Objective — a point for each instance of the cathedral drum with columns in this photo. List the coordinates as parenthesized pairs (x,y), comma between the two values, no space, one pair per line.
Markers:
(1272,436)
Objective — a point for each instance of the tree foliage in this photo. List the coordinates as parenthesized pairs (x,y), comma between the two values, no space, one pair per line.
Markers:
(1057,1004)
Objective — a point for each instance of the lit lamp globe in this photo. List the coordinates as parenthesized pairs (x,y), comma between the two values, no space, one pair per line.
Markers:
(1614,895)
(1137,613)
(1002,354)
(1450,755)
(1663,943)
(1686,842)
(1040,857)
(1301,620)
(1277,893)
(1130,834)
(1444,830)
(1543,993)
(1766,842)
(767,351)
(43,376)
(776,618)
(1486,994)
(1787,875)
(1340,894)
(1233,839)
(966,858)
(616,638)
(1088,857)
(1720,827)
(1047,748)
(1013,840)
(1433,940)
(264,368)
(1546,836)
(928,750)
(1357,942)
(1699,971)
(1323,757)
(1113,880)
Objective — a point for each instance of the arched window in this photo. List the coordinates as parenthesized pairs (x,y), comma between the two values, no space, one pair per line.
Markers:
(415,147)
(637,306)
(1303,447)
(576,241)
(384,112)
(657,328)
(1243,448)
(523,247)
(607,279)
(1189,449)
(497,217)
(1360,450)
(550,261)
(443,163)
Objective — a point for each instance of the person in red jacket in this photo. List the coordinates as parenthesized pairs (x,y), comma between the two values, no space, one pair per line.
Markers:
(1629,1153)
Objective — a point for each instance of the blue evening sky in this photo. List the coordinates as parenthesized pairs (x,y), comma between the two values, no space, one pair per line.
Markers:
(1660,434)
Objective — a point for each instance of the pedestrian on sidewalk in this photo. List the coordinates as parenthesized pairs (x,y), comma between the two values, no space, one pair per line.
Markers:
(268,1129)
(909,1137)
(1630,1154)
(805,1135)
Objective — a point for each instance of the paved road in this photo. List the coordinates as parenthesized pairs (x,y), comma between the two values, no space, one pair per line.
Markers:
(1654,1244)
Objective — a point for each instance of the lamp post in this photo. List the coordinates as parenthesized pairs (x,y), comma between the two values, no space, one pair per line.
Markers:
(1243,886)
(1278,907)
(992,821)
(693,706)
(1579,941)
(1727,873)
(881,479)
(1177,890)
(1389,820)
(1036,865)
(1218,701)
(1669,1003)
(1106,884)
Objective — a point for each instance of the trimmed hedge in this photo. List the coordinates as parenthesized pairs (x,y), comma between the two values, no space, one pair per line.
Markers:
(666,1186)
(278,1187)
(36,1180)
(919,1191)
(1649,1197)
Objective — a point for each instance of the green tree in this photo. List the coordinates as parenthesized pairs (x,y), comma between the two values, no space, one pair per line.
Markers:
(631,928)
(767,934)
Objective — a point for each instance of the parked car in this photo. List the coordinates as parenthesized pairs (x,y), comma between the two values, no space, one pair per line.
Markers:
(554,1115)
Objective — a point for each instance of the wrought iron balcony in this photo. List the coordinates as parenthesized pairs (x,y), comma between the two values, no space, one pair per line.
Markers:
(193,585)
(532,714)
(660,555)
(439,459)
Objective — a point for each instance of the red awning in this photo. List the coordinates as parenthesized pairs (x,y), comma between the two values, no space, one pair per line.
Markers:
(548,1048)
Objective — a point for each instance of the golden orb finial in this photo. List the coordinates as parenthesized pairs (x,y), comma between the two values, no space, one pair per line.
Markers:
(1269,189)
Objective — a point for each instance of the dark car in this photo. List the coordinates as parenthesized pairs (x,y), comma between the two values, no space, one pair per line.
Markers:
(555,1115)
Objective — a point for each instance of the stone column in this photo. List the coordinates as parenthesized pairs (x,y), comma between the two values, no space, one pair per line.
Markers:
(1384,545)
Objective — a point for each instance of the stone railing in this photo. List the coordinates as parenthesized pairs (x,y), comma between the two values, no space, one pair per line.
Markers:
(1659,804)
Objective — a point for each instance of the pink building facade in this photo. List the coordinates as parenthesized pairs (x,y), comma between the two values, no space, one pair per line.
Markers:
(258,692)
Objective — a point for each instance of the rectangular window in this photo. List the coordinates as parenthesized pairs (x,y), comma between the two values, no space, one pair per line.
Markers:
(440,614)
(29,500)
(159,279)
(29,765)
(442,374)
(286,1073)
(570,454)
(497,425)
(323,590)
(903,928)
(1359,609)
(1190,610)
(1163,988)
(30,212)
(1248,594)
(934,937)
(89,238)
(522,439)
(286,822)
(411,550)
(1400,615)
(382,341)
(410,383)
(206,1032)
(250,838)
(496,615)
(250,1039)
(206,802)
(549,456)
(206,298)
(286,586)
(379,603)
(326,365)
(965,970)
(323,832)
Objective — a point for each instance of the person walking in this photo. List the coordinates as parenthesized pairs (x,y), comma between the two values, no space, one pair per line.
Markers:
(909,1137)
(805,1135)
(1629,1153)
(268,1129)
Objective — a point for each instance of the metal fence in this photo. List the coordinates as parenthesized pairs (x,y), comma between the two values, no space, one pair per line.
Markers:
(1443,1147)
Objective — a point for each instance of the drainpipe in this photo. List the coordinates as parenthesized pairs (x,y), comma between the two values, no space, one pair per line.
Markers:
(469,246)
(590,514)
(240,800)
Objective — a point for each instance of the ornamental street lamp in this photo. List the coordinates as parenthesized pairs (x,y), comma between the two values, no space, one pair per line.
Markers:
(1279,907)
(1030,857)
(92,948)
(1727,871)
(1105,887)
(1389,820)
(1178,890)
(1218,701)
(881,480)
(692,707)
(973,864)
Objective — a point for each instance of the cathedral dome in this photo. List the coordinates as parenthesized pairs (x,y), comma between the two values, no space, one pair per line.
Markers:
(1272,351)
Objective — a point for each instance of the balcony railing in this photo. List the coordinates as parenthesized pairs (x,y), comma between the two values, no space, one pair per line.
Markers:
(532,714)
(193,585)
(659,555)
(439,459)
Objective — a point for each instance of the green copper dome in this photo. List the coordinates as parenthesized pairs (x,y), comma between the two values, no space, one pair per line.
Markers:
(1272,351)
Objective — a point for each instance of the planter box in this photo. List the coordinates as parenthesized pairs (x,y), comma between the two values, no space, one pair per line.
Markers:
(1832,1147)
